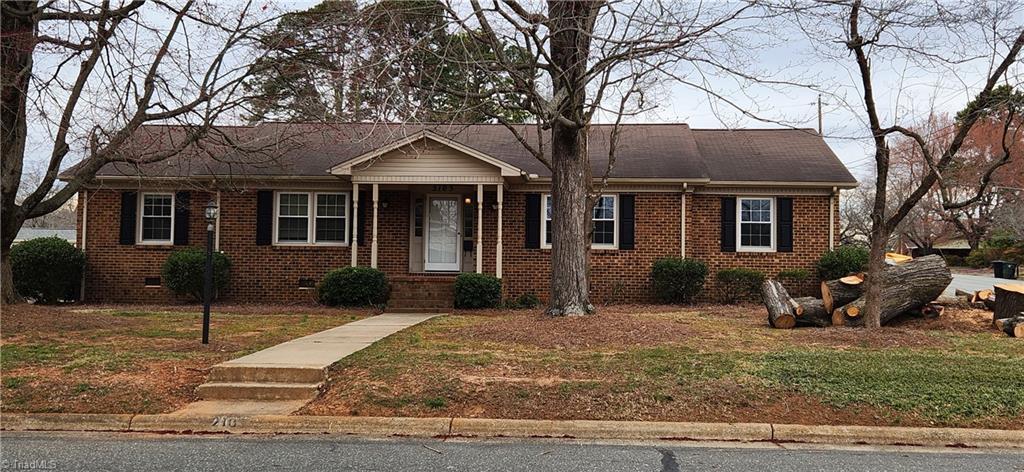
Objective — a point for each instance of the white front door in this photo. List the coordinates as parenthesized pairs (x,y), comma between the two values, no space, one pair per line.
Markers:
(443,239)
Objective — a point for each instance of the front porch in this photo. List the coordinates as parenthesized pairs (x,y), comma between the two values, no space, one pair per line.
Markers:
(451,197)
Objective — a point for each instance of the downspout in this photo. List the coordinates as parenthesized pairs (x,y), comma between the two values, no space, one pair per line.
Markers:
(832,219)
(85,226)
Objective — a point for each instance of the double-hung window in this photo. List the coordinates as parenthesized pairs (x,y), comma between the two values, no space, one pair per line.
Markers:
(756,218)
(311,218)
(605,216)
(157,222)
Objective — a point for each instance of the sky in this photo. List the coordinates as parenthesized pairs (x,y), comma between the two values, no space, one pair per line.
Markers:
(905,91)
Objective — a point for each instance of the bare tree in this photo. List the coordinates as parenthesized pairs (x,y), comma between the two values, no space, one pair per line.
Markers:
(927,36)
(88,75)
(588,61)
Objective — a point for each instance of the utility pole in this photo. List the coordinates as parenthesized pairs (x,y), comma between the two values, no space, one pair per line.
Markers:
(819,115)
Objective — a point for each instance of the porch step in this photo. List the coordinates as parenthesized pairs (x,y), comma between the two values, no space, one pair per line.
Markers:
(417,310)
(422,295)
(257,391)
(266,373)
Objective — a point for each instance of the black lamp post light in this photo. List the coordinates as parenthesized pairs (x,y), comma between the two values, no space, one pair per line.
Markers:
(211,217)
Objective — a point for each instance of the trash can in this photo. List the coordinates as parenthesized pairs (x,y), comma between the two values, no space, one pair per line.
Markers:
(997,269)
(1010,270)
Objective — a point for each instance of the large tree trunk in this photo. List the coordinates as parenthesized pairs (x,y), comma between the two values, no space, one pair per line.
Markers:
(571,24)
(872,306)
(7,282)
(903,287)
(15,71)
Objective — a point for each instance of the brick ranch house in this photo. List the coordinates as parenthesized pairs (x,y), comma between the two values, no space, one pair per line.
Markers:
(424,203)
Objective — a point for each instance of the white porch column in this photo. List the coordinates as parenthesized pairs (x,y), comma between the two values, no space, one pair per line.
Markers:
(355,229)
(479,228)
(373,242)
(216,229)
(498,249)
(682,225)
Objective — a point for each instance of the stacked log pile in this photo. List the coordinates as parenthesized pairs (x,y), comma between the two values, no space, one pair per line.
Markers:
(909,286)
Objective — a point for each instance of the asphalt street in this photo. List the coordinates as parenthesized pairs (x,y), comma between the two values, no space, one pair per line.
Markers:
(119,451)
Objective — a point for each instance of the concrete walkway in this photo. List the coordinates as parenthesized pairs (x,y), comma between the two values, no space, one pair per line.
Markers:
(282,378)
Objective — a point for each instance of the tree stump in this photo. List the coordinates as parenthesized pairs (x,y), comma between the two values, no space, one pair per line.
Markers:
(905,286)
(812,312)
(777,301)
(1009,301)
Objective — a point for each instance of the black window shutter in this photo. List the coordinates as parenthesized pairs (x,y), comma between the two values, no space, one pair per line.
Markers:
(627,221)
(181,200)
(784,227)
(365,206)
(129,205)
(532,226)
(728,224)
(264,217)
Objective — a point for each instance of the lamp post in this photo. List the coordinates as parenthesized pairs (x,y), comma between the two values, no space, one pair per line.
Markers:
(211,218)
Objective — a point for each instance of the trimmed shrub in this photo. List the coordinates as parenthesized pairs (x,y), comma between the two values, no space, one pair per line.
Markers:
(794,274)
(524,301)
(47,270)
(678,280)
(353,286)
(184,271)
(477,291)
(842,261)
(739,284)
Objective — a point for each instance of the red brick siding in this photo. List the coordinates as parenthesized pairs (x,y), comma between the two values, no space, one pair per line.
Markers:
(270,274)
(810,240)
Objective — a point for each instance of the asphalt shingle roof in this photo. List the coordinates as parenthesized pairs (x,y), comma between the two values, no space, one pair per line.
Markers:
(643,151)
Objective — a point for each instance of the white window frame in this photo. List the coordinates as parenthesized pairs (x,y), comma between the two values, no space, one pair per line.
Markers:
(544,223)
(141,216)
(311,217)
(773,217)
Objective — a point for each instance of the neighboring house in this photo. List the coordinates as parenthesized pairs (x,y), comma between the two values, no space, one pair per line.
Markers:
(952,247)
(425,203)
(25,234)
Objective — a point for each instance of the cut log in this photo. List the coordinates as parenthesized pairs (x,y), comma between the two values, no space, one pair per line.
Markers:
(837,317)
(812,312)
(1009,301)
(964,293)
(905,286)
(981,295)
(1013,327)
(835,293)
(797,309)
(852,279)
(776,300)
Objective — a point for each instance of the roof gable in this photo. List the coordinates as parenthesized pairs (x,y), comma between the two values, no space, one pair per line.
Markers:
(407,148)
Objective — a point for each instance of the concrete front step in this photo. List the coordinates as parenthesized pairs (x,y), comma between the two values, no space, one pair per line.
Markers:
(266,373)
(439,304)
(257,391)
(418,310)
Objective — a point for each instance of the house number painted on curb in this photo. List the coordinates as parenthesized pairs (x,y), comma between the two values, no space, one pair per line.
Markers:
(225,421)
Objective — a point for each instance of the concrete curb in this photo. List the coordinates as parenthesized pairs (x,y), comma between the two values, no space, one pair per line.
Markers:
(495,428)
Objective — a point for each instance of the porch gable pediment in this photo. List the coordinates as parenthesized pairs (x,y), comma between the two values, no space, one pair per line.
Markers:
(425,155)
